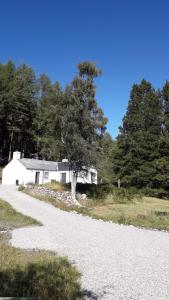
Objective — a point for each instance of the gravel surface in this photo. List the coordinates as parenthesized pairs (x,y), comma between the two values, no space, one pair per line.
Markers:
(117,262)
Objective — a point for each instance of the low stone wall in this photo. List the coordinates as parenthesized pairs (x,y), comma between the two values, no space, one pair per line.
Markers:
(63,196)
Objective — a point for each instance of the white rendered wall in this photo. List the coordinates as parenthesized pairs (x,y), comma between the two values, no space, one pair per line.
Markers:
(12,172)
(16,171)
(53,175)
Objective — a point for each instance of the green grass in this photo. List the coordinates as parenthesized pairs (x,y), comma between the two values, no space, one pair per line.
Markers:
(147,212)
(38,274)
(9,218)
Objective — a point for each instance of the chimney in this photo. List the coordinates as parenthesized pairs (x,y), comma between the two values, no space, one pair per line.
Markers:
(16,155)
(65,160)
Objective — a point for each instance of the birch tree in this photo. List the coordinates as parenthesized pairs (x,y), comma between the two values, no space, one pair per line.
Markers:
(81,122)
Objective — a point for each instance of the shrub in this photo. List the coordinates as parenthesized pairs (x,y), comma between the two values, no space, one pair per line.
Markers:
(124,195)
(98,191)
(57,186)
(158,193)
(101,191)
(54,279)
(21,188)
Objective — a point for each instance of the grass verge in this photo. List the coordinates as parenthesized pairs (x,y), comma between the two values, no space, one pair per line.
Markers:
(36,274)
(9,218)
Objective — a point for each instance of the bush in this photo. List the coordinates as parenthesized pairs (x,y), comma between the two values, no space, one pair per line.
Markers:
(158,193)
(43,280)
(99,191)
(123,195)
(21,188)
(58,186)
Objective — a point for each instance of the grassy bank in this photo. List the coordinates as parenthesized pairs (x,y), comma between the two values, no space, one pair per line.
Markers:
(38,274)
(147,212)
(9,218)
(121,208)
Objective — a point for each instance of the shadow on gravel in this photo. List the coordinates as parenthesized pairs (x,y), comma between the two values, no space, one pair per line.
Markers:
(89,295)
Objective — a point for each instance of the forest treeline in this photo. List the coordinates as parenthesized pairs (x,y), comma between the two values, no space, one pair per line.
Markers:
(29,122)
(142,156)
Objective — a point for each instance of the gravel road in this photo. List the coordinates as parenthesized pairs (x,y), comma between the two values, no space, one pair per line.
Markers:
(117,262)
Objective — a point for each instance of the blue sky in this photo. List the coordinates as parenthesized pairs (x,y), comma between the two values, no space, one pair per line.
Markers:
(127,39)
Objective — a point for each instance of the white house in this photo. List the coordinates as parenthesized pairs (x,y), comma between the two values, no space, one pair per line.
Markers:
(21,171)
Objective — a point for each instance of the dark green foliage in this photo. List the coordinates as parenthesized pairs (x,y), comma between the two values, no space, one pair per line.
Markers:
(78,122)
(99,191)
(18,109)
(105,166)
(138,151)
(123,195)
(157,193)
(48,137)
(43,280)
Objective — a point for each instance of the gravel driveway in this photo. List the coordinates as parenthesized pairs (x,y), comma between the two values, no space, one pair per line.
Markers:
(117,262)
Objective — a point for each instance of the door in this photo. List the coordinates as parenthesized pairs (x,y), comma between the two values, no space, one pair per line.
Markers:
(63,177)
(37,177)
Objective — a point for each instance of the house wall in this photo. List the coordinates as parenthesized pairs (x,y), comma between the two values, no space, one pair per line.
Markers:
(16,171)
(57,176)
(12,172)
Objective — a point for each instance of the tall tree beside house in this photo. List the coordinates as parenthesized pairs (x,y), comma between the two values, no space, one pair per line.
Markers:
(139,138)
(81,122)
(7,73)
(162,164)
(106,162)
(18,108)
(47,134)
(22,110)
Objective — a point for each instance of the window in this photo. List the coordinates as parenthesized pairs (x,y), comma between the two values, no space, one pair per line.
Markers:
(46,175)
(63,177)
(93,177)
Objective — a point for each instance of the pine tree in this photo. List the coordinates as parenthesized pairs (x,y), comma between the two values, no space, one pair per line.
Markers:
(162,164)
(139,139)
(7,73)
(22,110)
(47,133)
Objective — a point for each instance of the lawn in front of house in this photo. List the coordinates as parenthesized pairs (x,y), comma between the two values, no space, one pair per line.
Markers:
(38,274)
(147,212)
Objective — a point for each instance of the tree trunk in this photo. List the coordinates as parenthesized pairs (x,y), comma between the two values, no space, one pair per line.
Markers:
(73,188)
(10,147)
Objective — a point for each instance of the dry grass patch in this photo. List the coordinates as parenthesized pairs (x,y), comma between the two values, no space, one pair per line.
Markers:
(57,186)
(147,212)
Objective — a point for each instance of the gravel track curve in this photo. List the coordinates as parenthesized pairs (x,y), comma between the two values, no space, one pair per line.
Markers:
(117,262)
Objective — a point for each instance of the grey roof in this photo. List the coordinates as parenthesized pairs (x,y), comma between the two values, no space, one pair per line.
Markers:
(36,164)
(63,166)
